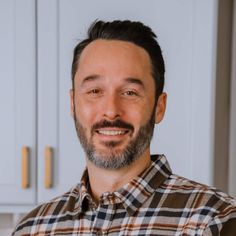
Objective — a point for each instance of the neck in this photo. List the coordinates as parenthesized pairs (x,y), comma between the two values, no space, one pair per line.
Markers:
(103,180)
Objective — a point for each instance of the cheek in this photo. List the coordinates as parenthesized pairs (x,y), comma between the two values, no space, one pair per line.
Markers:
(139,115)
(85,113)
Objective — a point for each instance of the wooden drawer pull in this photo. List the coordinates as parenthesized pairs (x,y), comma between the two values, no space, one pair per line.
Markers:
(48,167)
(25,167)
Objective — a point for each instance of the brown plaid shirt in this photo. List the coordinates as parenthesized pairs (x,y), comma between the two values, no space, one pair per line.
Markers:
(155,203)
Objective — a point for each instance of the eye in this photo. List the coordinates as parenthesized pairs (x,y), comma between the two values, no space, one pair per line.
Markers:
(130,93)
(94,92)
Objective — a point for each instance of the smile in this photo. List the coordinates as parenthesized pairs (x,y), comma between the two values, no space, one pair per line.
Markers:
(112,132)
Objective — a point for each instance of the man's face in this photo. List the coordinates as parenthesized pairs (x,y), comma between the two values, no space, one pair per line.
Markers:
(113,102)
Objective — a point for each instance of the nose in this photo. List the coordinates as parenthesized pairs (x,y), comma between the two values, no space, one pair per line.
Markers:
(112,107)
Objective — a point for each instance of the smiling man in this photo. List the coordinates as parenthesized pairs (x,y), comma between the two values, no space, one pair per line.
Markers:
(116,99)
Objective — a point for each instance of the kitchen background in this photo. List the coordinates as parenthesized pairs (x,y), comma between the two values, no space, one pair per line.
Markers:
(40,154)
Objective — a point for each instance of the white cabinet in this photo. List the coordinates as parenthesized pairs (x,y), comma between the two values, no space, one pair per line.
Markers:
(17,99)
(187,33)
(55,125)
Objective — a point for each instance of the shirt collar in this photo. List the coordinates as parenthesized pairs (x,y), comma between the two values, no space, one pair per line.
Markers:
(84,201)
(134,193)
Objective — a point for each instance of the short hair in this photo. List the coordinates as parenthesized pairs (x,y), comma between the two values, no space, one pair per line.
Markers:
(129,31)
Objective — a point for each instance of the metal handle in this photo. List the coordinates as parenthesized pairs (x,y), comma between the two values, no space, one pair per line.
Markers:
(25,167)
(48,167)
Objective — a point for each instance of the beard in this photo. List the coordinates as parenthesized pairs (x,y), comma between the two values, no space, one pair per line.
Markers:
(115,158)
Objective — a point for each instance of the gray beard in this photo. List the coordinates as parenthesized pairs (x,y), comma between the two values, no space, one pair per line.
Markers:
(117,159)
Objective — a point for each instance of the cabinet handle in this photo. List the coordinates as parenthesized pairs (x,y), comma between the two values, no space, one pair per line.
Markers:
(48,167)
(25,167)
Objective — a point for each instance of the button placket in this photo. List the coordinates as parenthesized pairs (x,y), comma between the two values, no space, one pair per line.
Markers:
(104,214)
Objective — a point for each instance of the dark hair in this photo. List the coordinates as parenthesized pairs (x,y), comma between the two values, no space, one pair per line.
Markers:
(134,32)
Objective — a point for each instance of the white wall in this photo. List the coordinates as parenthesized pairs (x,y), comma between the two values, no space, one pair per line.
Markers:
(6,224)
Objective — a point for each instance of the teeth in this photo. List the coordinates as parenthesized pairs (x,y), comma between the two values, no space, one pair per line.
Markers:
(111,132)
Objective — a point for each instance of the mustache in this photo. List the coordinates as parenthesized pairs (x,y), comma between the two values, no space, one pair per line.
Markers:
(112,124)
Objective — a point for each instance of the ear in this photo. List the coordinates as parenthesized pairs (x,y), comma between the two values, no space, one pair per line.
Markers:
(161,108)
(72,102)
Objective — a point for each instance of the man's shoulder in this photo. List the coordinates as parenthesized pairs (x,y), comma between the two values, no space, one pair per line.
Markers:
(186,185)
(55,208)
(198,204)
(198,196)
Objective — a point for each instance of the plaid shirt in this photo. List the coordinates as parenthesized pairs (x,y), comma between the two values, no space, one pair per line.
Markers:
(155,203)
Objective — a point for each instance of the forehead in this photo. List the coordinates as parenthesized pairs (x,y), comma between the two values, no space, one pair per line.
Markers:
(114,58)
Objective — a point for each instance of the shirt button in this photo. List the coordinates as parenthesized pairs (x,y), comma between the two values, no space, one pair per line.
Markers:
(101,232)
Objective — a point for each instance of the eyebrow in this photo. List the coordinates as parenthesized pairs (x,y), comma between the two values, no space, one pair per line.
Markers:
(134,81)
(90,78)
(128,80)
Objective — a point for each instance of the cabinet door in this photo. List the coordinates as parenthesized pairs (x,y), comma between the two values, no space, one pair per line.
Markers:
(187,34)
(55,125)
(17,101)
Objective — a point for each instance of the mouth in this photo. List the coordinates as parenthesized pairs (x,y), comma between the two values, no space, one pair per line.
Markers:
(117,131)
(112,132)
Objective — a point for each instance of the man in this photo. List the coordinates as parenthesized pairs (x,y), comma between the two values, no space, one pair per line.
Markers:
(116,99)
